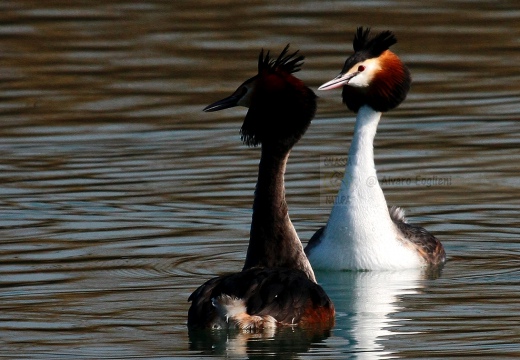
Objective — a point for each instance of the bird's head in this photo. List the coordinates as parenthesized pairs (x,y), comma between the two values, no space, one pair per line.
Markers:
(373,75)
(280,106)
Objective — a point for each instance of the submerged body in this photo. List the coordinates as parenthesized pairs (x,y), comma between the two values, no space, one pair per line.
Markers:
(362,233)
(277,286)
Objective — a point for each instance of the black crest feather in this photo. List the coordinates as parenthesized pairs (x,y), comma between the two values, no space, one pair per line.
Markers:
(290,63)
(373,45)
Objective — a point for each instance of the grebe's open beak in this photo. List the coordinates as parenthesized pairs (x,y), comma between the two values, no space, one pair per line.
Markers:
(338,81)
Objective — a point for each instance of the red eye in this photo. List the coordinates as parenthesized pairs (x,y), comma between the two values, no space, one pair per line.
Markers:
(360,68)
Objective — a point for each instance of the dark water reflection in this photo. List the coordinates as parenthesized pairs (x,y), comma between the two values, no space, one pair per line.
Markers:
(119,197)
(287,343)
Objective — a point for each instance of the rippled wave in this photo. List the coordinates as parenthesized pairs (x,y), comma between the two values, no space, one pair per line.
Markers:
(119,196)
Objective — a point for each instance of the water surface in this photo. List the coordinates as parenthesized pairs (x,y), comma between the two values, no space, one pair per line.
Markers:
(119,197)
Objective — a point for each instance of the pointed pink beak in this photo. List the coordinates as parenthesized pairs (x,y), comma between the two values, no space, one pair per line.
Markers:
(340,80)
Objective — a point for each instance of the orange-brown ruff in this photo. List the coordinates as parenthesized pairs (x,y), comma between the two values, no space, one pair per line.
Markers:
(362,233)
(393,74)
(277,286)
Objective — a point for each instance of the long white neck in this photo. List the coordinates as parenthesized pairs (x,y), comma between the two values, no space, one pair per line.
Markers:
(360,233)
(360,190)
(360,220)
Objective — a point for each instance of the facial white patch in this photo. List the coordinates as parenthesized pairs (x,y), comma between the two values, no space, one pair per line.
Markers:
(365,77)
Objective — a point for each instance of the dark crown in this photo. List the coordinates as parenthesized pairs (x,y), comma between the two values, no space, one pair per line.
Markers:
(373,45)
(288,63)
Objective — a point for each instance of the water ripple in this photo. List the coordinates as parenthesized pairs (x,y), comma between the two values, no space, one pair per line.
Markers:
(119,196)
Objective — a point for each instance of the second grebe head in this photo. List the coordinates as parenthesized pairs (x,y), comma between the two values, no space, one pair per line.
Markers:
(280,106)
(373,75)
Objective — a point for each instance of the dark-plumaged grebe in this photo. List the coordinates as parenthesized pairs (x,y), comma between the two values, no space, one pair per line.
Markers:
(277,286)
(362,233)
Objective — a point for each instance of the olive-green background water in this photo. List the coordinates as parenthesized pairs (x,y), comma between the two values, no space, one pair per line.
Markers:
(119,196)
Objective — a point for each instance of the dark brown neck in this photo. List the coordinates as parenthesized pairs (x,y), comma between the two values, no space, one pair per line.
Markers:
(273,240)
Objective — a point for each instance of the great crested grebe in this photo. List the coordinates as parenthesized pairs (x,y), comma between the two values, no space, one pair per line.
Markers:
(277,286)
(362,233)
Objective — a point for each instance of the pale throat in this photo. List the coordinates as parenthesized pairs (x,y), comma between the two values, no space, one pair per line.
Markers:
(360,194)
(361,154)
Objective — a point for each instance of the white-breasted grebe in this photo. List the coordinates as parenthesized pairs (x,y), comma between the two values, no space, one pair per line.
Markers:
(362,233)
(277,285)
